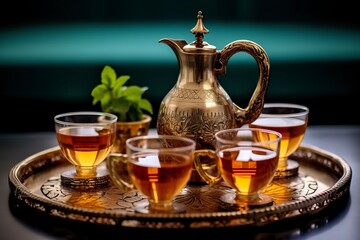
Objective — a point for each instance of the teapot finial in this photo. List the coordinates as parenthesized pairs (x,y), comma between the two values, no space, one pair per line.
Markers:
(199,30)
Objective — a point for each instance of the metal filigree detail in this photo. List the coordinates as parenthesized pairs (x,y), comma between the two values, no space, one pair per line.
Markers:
(35,183)
(197,92)
(196,123)
(197,198)
(110,198)
(194,95)
(254,108)
(289,189)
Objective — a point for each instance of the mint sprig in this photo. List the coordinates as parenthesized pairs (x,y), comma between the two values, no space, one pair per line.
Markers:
(124,101)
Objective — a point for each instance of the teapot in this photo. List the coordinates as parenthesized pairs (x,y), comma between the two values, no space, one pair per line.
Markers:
(197,106)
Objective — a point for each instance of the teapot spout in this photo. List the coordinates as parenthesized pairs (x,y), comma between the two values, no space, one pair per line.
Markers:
(175,45)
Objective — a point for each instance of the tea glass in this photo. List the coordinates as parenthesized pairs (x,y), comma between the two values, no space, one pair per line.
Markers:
(157,166)
(291,121)
(247,159)
(85,140)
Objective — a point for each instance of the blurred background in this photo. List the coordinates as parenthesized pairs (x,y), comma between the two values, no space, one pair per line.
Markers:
(52,53)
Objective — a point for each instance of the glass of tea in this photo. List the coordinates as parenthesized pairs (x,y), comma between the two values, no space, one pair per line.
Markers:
(247,159)
(85,140)
(291,121)
(157,166)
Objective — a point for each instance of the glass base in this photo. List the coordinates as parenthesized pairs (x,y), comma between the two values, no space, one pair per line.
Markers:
(143,207)
(69,179)
(229,202)
(291,170)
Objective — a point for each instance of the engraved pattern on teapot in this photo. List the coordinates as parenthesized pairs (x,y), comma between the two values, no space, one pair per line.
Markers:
(196,123)
(197,106)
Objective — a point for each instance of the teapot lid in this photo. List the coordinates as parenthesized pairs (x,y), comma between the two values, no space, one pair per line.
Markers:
(199,45)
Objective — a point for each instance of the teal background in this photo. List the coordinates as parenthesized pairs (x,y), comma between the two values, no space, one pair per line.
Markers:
(52,53)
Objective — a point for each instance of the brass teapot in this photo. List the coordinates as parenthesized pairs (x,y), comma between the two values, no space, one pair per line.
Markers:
(197,106)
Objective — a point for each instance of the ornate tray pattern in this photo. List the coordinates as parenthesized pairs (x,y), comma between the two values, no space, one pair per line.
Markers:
(323,179)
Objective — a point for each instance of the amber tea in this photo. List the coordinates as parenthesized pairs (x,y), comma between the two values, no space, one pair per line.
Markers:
(162,176)
(247,164)
(247,169)
(291,121)
(157,166)
(85,140)
(292,131)
(85,146)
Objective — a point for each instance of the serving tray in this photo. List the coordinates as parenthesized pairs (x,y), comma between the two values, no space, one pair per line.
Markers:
(322,180)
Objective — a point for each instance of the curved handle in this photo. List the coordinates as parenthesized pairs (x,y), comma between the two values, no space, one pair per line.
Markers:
(116,164)
(203,169)
(256,103)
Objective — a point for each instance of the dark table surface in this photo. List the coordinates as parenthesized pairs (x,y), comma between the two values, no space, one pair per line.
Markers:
(341,221)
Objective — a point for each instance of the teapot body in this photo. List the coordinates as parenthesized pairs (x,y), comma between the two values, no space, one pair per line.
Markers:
(197,106)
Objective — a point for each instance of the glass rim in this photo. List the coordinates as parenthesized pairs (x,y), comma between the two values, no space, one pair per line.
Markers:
(113,118)
(277,140)
(191,142)
(285,105)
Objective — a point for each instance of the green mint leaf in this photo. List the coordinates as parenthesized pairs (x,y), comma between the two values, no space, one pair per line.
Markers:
(108,76)
(133,93)
(106,102)
(119,85)
(134,114)
(146,105)
(122,79)
(98,93)
(124,101)
(121,105)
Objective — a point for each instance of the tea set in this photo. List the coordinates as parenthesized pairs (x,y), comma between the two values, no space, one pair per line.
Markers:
(198,128)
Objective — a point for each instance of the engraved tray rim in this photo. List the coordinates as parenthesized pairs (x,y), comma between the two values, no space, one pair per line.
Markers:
(254,217)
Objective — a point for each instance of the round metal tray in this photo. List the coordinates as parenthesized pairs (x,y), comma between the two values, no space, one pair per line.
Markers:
(322,180)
